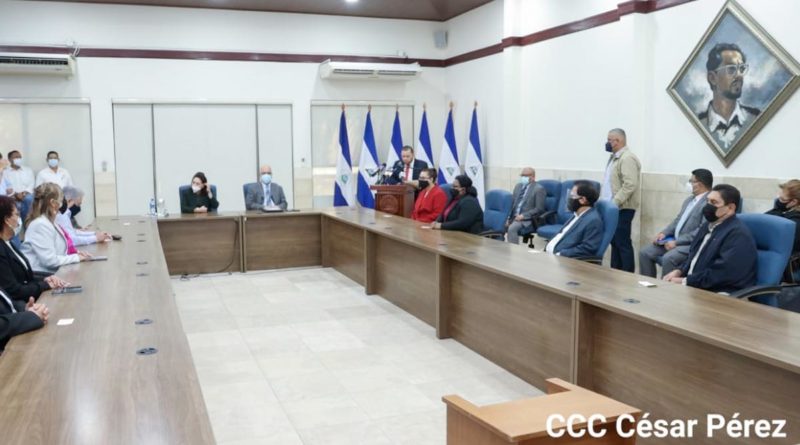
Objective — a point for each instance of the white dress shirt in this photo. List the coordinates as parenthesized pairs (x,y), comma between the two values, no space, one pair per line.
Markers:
(551,246)
(20,179)
(60,177)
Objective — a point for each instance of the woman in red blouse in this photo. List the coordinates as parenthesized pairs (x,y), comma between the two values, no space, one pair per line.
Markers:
(431,199)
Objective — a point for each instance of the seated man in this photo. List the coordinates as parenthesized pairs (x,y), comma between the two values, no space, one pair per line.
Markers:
(18,318)
(65,218)
(582,234)
(528,202)
(20,179)
(265,193)
(672,244)
(723,255)
(406,169)
(431,199)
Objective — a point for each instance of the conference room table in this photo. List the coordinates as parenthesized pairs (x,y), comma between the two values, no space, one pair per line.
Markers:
(673,351)
(122,371)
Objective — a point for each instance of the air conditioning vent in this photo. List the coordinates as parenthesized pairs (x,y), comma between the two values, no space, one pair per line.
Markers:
(379,71)
(47,64)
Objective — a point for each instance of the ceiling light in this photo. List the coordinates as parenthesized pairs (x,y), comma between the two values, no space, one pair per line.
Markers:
(351,1)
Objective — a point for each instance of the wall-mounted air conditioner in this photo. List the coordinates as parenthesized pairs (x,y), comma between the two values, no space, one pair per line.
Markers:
(46,64)
(359,70)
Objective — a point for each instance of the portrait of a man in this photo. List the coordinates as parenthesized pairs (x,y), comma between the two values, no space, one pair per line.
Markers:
(735,80)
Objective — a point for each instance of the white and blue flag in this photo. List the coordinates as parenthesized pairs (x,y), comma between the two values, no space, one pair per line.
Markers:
(343,194)
(367,166)
(473,167)
(396,143)
(448,158)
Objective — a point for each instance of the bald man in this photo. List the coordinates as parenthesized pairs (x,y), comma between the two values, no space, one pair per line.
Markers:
(527,203)
(264,194)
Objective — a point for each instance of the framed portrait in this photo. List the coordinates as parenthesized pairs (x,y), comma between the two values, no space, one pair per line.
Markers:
(734,81)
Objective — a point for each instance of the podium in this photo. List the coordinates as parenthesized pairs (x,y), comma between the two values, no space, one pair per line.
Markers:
(524,422)
(395,199)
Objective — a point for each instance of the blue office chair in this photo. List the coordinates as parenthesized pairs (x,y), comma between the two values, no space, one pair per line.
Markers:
(446,189)
(774,238)
(244,190)
(609,213)
(498,206)
(548,231)
(182,188)
(553,190)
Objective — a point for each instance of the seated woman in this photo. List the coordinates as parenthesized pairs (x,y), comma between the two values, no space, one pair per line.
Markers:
(47,246)
(431,199)
(787,205)
(73,198)
(199,198)
(18,318)
(464,212)
(16,274)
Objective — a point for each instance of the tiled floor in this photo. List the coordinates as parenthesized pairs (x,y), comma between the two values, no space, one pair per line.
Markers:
(304,357)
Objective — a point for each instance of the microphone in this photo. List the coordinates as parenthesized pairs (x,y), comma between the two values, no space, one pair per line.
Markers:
(377,171)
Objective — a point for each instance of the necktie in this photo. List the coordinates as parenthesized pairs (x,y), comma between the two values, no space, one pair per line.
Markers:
(267,195)
(407,169)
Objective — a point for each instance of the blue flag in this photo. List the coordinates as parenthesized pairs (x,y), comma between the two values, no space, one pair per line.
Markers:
(343,188)
(474,164)
(396,143)
(448,158)
(367,166)
(426,153)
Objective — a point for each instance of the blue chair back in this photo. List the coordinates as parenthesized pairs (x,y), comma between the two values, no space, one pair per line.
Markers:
(182,188)
(553,189)
(244,190)
(566,187)
(498,205)
(609,213)
(446,189)
(774,238)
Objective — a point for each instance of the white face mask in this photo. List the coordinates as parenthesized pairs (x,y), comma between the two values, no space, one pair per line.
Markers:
(18,228)
(196,188)
(689,188)
(18,162)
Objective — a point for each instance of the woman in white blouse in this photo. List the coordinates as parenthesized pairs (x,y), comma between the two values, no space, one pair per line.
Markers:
(46,244)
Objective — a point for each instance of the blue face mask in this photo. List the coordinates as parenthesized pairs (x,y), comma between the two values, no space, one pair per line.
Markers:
(53,163)
(266,178)
(523,180)
(608,147)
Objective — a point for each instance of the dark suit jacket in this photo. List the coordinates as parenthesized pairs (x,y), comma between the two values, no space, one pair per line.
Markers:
(532,203)
(191,200)
(398,170)
(254,196)
(728,261)
(12,324)
(18,282)
(584,238)
(466,216)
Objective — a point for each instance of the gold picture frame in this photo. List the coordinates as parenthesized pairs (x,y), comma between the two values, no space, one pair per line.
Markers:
(735,80)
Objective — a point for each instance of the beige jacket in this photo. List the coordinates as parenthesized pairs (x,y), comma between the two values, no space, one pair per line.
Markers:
(626,180)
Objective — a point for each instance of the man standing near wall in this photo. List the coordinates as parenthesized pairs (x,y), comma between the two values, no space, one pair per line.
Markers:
(621,184)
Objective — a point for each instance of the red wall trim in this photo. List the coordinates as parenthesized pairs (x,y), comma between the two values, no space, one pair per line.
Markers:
(628,7)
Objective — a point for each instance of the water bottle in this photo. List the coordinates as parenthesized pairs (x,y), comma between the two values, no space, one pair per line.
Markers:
(152,206)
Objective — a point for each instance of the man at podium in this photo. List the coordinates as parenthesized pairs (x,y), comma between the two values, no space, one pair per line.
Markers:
(406,169)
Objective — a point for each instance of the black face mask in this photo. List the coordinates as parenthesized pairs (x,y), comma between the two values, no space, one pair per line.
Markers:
(574,204)
(423,184)
(63,207)
(75,210)
(608,147)
(454,193)
(710,213)
(780,205)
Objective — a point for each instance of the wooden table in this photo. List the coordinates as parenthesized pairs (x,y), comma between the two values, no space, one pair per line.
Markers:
(85,383)
(673,351)
(281,240)
(214,246)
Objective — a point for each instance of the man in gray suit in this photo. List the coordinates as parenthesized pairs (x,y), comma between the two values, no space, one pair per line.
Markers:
(265,193)
(527,203)
(673,243)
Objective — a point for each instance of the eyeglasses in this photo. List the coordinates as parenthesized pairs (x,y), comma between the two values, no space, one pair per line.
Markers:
(730,70)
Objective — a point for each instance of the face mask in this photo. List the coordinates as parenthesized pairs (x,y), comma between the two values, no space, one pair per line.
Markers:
(423,184)
(266,178)
(18,228)
(196,188)
(710,213)
(523,180)
(574,204)
(608,147)
(75,209)
(689,188)
(17,162)
(780,205)
(454,193)
(53,163)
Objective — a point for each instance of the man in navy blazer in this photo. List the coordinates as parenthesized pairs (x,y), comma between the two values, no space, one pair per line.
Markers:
(407,168)
(582,234)
(723,255)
